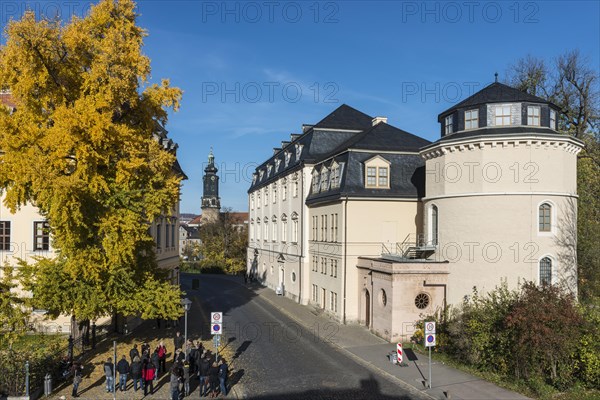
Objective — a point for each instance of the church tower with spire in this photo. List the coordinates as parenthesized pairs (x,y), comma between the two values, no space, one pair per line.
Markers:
(211,204)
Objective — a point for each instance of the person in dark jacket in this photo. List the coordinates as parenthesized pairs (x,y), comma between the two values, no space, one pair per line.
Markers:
(123,370)
(134,352)
(223,374)
(186,378)
(145,350)
(192,357)
(178,341)
(136,373)
(213,379)
(174,381)
(155,361)
(77,371)
(203,368)
(109,369)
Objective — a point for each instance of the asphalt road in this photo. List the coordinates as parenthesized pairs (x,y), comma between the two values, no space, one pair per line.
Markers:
(274,357)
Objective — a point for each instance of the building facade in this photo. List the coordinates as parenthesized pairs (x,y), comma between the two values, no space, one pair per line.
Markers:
(392,227)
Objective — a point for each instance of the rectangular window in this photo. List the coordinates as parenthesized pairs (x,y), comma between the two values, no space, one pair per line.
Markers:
(295,231)
(336,229)
(274,194)
(252,202)
(502,114)
(448,128)
(325,227)
(266,231)
(335,177)
(315,293)
(266,196)
(335,268)
(333,301)
(173,233)
(284,193)
(167,237)
(315,182)
(553,119)
(295,189)
(324,179)
(274,238)
(371,176)
(158,236)
(258,200)
(533,116)
(41,235)
(284,231)
(382,179)
(472,119)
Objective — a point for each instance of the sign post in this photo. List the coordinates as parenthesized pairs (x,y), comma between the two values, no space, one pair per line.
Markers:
(429,342)
(399,351)
(216,328)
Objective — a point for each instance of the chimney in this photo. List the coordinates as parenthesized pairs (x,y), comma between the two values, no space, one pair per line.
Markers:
(378,120)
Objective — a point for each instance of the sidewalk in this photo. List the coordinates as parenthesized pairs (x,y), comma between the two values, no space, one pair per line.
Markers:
(371,351)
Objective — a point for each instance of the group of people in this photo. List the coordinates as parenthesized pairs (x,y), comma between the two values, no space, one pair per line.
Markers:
(189,360)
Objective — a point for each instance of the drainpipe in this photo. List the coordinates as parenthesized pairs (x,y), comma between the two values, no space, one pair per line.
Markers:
(301,234)
(345,254)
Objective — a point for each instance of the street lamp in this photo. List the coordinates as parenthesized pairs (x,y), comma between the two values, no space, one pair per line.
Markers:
(187,305)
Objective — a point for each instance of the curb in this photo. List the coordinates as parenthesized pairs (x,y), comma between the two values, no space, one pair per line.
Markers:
(408,387)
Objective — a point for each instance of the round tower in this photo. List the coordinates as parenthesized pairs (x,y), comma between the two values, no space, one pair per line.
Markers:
(501,195)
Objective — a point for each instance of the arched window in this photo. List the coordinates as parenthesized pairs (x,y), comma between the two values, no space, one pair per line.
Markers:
(433,226)
(295,228)
(545,219)
(252,229)
(274,222)
(258,228)
(266,229)
(546,271)
(284,228)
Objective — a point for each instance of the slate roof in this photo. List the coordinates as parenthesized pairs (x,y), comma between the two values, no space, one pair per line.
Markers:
(494,93)
(491,132)
(316,143)
(345,117)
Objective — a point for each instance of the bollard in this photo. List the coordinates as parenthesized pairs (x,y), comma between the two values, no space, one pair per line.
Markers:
(47,385)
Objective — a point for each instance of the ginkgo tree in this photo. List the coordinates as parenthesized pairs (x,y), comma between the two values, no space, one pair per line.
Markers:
(81,146)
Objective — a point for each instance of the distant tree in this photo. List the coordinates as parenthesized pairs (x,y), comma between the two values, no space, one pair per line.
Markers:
(224,244)
(81,147)
(573,85)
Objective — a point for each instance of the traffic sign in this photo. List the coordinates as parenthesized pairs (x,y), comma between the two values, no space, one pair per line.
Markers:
(399,351)
(216,317)
(429,327)
(216,329)
(430,340)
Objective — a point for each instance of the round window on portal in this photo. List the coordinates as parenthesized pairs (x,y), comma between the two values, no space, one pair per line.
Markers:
(422,301)
(294,277)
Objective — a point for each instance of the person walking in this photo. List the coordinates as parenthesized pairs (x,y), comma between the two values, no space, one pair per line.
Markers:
(109,369)
(123,370)
(203,368)
(223,373)
(136,373)
(162,357)
(148,376)
(192,357)
(77,371)
(213,379)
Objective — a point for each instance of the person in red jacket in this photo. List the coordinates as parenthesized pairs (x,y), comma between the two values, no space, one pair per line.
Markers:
(148,374)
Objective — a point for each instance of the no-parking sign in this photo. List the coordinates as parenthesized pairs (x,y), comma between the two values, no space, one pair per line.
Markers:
(430,340)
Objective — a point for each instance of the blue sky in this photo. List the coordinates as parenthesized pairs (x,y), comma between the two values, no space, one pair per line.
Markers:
(253,72)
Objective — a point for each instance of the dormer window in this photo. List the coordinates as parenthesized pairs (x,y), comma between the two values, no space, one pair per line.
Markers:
(335,176)
(324,178)
(502,115)
(471,119)
(377,173)
(288,155)
(315,181)
(553,119)
(298,150)
(277,164)
(533,116)
(269,168)
(448,125)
